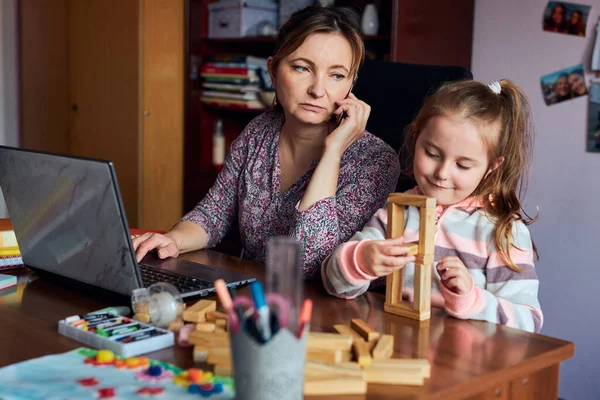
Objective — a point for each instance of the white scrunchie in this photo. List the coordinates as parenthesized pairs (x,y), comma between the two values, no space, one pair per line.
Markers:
(495,87)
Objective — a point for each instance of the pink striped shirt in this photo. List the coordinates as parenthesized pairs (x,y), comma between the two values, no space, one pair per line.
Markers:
(499,294)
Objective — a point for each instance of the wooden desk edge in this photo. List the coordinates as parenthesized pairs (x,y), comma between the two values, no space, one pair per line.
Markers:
(479,384)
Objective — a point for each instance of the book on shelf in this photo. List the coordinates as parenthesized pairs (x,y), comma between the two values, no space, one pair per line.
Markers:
(238,79)
(228,87)
(235,71)
(10,255)
(229,95)
(231,103)
(250,61)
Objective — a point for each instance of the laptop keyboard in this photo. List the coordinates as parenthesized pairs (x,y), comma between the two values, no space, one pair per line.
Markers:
(184,284)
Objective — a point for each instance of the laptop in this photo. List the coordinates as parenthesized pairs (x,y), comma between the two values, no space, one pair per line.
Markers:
(69,220)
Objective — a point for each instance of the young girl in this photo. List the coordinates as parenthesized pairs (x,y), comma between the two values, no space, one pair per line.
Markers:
(470,148)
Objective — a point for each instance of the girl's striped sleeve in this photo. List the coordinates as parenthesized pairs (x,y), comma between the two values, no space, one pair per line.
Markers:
(509,297)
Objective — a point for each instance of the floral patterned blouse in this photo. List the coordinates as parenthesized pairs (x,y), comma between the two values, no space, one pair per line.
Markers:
(248,188)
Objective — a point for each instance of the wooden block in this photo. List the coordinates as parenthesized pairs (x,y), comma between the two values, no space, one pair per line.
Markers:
(223,370)
(320,370)
(391,376)
(197,312)
(346,330)
(328,341)
(422,292)
(384,347)
(221,323)
(395,227)
(209,339)
(362,349)
(346,356)
(212,316)
(404,310)
(205,326)
(411,200)
(399,364)
(413,248)
(200,354)
(427,228)
(362,352)
(424,259)
(393,287)
(335,386)
(219,355)
(323,355)
(220,329)
(364,330)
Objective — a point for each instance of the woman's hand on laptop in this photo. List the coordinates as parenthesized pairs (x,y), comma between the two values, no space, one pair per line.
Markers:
(164,245)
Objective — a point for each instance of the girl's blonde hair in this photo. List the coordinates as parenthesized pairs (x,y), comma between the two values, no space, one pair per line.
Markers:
(506,124)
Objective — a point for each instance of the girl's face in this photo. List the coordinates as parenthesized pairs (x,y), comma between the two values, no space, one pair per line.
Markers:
(313,78)
(451,159)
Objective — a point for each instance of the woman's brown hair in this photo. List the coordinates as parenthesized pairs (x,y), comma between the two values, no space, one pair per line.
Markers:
(318,19)
(506,124)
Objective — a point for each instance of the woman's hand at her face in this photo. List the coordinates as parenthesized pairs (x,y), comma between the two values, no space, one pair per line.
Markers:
(149,241)
(350,128)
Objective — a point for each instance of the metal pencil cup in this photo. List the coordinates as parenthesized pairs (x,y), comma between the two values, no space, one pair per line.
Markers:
(270,371)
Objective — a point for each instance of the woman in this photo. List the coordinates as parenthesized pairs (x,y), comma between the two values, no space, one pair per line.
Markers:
(557,22)
(561,90)
(576,24)
(299,170)
(577,84)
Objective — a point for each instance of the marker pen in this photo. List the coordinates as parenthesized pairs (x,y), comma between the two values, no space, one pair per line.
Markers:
(226,302)
(262,309)
(116,337)
(142,336)
(304,318)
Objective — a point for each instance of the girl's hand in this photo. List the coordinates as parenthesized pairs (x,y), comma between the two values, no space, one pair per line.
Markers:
(350,128)
(382,257)
(454,275)
(142,244)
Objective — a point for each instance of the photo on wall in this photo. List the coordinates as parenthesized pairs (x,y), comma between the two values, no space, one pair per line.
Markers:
(593,136)
(566,18)
(565,84)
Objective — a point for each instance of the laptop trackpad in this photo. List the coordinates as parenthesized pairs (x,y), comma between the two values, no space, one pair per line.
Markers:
(190,268)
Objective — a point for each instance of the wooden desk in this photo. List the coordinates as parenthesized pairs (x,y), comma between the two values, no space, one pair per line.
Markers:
(470,360)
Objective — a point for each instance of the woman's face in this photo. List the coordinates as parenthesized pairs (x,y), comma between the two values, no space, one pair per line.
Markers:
(310,81)
(577,84)
(558,15)
(561,87)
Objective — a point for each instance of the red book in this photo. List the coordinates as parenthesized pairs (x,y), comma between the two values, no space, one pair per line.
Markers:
(207,69)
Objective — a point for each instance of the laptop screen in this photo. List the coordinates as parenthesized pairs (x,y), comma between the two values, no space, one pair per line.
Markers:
(68,217)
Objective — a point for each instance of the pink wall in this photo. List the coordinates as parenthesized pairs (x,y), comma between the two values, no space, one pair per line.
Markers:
(508,42)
